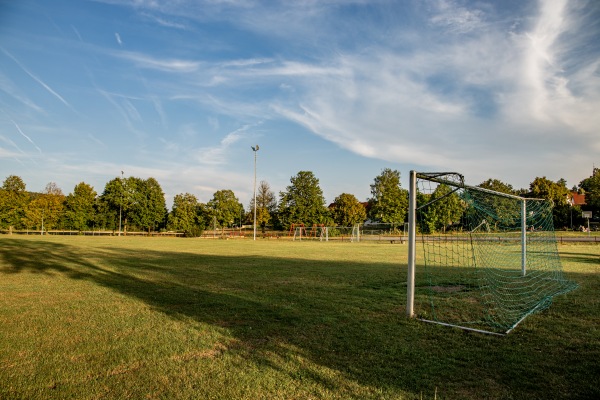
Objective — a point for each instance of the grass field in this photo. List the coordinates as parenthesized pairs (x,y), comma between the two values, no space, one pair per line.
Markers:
(116,317)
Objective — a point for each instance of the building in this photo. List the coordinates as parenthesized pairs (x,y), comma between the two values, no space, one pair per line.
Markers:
(576,199)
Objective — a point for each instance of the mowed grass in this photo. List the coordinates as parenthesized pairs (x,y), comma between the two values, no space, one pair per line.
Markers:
(149,318)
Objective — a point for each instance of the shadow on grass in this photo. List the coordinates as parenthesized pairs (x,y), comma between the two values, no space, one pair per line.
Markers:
(344,316)
(581,257)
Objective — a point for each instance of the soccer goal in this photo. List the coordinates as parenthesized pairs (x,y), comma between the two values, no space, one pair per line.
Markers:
(317,232)
(482,260)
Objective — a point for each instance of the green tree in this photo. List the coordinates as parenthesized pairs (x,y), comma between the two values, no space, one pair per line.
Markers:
(591,188)
(184,215)
(224,207)
(116,202)
(266,206)
(504,208)
(389,203)
(79,207)
(33,214)
(13,200)
(544,188)
(497,186)
(347,210)
(558,193)
(111,202)
(105,217)
(446,209)
(302,202)
(147,209)
(45,209)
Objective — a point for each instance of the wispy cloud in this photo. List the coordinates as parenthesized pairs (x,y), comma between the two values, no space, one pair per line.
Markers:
(249,62)
(38,80)
(156,102)
(125,108)
(8,87)
(216,155)
(26,137)
(163,21)
(77,33)
(550,85)
(168,65)
(448,97)
(8,153)
(480,86)
(459,102)
(454,18)
(96,140)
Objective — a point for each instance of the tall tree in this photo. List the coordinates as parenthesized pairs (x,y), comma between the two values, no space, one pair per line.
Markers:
(347,210)
(224,207)
(266,206)
(503,207)
(45,210)
(302,202)
(116,201)
(184,215)
(591,188)
(544,188)
(558,193)
(148,210)
(13,199)
(79,207)
(448,209)
(105,217)
(389,203)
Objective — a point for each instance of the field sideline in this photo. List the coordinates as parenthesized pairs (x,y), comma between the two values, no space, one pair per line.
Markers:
(121,317)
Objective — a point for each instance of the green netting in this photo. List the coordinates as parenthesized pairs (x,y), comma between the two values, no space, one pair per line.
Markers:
(480,269)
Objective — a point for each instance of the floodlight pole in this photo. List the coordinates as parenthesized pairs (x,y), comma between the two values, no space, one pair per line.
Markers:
(121,205)
(255,149)
(412,238)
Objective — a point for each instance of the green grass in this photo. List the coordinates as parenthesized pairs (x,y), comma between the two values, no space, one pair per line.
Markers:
(115,317)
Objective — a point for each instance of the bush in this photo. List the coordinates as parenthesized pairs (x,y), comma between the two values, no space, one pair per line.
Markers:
(195,231)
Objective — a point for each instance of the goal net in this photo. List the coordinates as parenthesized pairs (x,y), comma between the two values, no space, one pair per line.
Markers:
(486,260)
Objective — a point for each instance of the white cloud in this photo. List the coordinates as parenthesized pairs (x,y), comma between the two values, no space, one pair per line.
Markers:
(499,100)
(218,154)
(443,84)
(10,154)
(456,19)
(168,64)
(8,87)
(26,137)
(165,22)
(35,78)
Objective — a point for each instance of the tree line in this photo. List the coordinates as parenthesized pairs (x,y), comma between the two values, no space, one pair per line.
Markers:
(139,204)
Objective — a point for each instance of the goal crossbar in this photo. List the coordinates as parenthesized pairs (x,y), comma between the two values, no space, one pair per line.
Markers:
(435,177)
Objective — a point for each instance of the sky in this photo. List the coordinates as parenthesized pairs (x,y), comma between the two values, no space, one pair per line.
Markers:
(180,90)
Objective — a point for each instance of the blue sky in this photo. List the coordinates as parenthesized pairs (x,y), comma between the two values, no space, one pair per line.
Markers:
(181,90)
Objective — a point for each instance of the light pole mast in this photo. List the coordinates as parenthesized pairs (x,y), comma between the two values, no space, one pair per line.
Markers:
(255,149)
(121,204)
